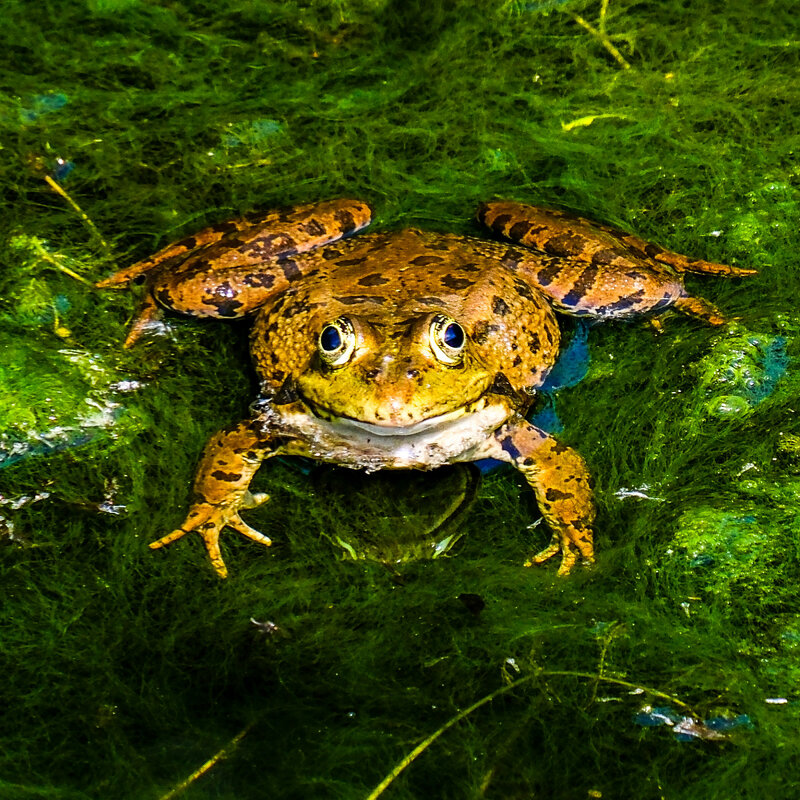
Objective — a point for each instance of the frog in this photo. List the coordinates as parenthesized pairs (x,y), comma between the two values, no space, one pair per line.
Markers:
(405,349)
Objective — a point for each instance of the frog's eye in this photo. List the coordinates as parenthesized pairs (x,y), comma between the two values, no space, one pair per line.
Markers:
(447,339)
(336,342)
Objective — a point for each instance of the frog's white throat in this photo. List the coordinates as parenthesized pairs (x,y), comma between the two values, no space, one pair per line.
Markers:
(444,439)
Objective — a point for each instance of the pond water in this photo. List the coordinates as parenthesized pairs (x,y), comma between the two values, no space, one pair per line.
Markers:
(667,670)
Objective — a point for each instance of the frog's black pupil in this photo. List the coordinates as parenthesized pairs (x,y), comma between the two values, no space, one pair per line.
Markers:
(453,336)
(330,339)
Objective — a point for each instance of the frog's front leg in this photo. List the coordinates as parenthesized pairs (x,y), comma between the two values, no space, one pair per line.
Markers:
(589,269)
(229,461)
(560,480)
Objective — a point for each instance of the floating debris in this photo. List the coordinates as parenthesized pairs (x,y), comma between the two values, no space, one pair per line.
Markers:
(687,728)
(641,493)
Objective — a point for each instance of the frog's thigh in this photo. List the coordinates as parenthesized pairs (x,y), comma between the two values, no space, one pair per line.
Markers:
(560,480)
(229,290)
(595,270)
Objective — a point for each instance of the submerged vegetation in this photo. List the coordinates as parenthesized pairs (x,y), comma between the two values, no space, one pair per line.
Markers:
(127,123)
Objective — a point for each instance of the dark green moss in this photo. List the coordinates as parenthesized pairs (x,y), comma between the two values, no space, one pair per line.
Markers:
(124,669)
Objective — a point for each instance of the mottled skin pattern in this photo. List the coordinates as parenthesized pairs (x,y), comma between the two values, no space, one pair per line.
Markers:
(393,393)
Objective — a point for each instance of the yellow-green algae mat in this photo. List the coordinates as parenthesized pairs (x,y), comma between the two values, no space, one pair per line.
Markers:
(129,674)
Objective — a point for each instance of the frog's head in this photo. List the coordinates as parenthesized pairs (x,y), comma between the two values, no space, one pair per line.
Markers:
(394,374)
(409,350)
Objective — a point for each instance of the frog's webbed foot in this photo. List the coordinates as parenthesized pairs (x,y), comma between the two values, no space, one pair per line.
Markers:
(571,543)
(560,480)
(221,487)
(208,520)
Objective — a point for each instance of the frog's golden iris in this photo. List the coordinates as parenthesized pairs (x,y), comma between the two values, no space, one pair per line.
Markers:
(407,349)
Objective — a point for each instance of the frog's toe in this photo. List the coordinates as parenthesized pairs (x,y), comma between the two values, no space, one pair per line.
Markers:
(168,539)
(210,533)
(240,526)
(546,554)
(700,309)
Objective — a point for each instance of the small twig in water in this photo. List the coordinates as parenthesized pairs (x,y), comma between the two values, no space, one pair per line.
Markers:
(600,34)
(61,192)
(427,742)
(203,768)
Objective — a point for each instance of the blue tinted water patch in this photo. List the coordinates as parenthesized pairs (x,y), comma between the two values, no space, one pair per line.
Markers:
(43,104)
(547,418)
(252,133)
(573,361)
(774,363)
(570,369)
(741,371)
(62,169)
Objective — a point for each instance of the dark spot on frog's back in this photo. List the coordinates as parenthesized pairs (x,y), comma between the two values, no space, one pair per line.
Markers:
(346,221)
(259,280)
(438,245)
(520,229)
(228,477)
(581,286)
(499,306)
(229,226)
(454,282)
(350,262)
(499,223)
(426,261)
(604,257)
(290,269)
(375,279)
(564,245)
(556,494)
(313,228)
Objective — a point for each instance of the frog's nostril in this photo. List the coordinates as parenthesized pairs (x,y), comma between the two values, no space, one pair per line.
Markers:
(371,374)
(413,373)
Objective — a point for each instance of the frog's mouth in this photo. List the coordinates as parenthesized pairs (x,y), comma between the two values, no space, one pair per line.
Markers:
(415,428)
(424,426)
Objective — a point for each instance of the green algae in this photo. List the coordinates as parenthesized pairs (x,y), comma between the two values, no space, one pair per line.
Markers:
(124,669)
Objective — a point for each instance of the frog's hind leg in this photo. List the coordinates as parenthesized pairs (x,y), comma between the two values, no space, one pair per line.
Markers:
(588,269)
(682,263)
(230,269)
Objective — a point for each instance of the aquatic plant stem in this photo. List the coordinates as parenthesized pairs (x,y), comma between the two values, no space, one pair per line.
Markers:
(56,264)
(427,742)
(203,768)
(602,37)
(61,192)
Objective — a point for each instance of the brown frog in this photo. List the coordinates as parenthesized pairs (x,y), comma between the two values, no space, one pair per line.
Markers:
(405,349)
